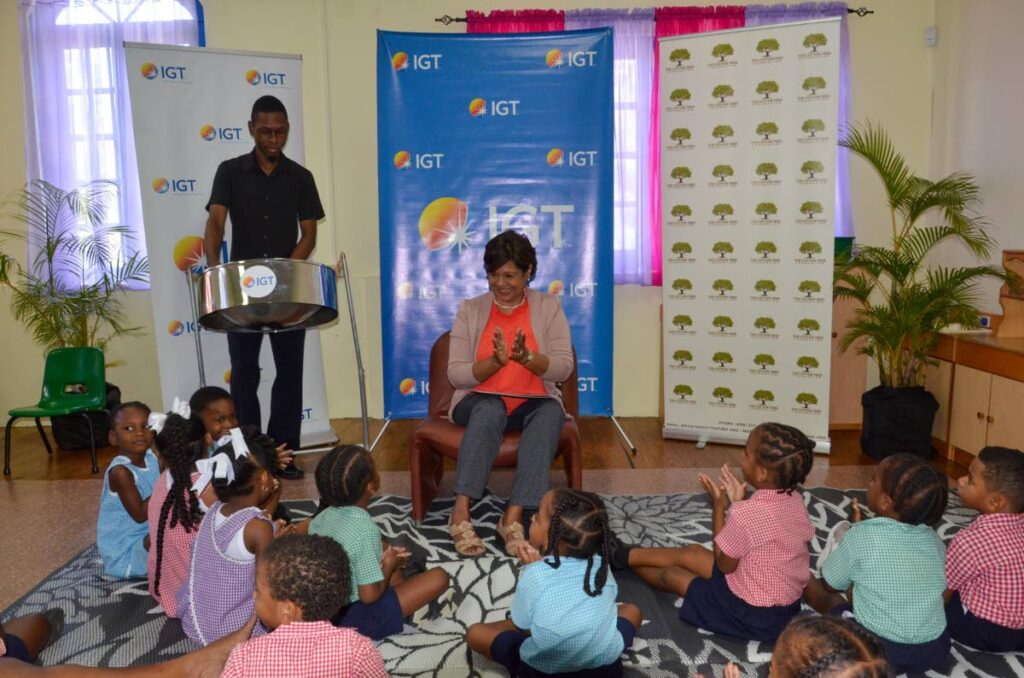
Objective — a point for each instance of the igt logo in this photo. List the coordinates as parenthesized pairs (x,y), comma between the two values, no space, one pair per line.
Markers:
(211,133)
(176,328)
(151,71)
(559,158)
(501,108)
(530,219)
(254,77)
(165,185)
(402,61)
(425,161)
(587,384)
(556,58)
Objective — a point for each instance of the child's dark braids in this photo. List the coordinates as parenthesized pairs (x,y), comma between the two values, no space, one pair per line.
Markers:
(818,647)
(579,524)
(181,504)
(261,456)
(919,493)
(343,475)
(785,451)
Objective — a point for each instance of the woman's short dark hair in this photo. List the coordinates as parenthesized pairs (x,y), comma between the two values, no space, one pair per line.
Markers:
(510,246)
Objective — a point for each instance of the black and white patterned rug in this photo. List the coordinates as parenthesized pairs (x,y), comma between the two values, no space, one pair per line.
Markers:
(116,623)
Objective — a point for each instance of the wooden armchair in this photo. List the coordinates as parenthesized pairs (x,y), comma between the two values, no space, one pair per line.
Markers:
(436,437)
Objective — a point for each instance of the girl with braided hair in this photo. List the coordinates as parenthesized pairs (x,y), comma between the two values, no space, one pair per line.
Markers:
(378,597)
(564,617)
(748,585)
(174,510)
(895,565)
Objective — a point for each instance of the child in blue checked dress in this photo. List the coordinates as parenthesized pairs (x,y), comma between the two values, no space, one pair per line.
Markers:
(895,565)
(564,619)
(379,597)
(122,529)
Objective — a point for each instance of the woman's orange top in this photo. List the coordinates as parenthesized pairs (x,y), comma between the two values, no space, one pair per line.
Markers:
(513,377)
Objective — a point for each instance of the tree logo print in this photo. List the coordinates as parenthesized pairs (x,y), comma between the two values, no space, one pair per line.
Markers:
(766,210)
(680,174)
(721,248)
(767,88)
(812,167)
(815,40)
(722,322)
(807,362)
(682,322)
(722,172)
(764,324)
(764,287)
(764,360)
(806,399)
(721,392)
(681,211)
(682,285)
(764,248)
(808,325)
(812,126)
(811,208)
(679,135)
(722,358)
(813,84)
(810,287)
(682,249)
(722,210)
(767,46)
(679,96)
(810,248)
(722,51)
(722,132)
(679,56)
(683,390)
(764,396)
(722,286)
(766,129)
(766,169)
(721,92)
(682,356)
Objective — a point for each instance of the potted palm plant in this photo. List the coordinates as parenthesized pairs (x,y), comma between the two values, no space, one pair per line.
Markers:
(904,300)
(69,292)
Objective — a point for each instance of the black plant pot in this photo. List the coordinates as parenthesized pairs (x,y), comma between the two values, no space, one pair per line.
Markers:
(72,433)
(898,420)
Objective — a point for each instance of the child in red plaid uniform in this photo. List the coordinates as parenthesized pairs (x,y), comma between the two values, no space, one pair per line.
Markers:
(749,585)
(985,561)
(301,582)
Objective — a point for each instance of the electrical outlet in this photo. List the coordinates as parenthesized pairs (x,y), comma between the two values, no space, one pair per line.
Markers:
(985,321)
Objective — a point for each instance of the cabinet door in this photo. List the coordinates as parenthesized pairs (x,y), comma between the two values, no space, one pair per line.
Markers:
(848,371)
(939,382)
(968,425)
(1005,427)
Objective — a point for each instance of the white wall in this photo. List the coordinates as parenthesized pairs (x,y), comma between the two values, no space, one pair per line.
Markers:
(892,82)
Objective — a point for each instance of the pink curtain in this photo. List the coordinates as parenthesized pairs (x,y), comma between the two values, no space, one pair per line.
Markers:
(515,21)
(677,21)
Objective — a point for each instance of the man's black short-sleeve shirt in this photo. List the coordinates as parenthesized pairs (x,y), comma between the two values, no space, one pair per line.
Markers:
(265,210)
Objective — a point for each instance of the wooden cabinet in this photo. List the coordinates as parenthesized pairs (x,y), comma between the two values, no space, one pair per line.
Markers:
(938,381)
(986,411)
(848,373)
(1004,413)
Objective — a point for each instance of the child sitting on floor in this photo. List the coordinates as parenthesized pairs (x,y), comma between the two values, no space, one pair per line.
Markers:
(23,638)
(895,565)
(564,616)
(825,647)
(301,582)
(985,561)
(175,510)
(213,414)
(216,598)
(379,597)
(121,528)
(750,585)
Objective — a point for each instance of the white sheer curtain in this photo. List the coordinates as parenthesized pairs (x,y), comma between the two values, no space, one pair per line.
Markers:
(633,32)
(78,125)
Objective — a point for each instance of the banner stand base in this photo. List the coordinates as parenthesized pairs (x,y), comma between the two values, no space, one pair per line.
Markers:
(702,438)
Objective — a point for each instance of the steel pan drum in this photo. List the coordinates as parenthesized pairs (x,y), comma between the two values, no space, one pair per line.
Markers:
(267,295)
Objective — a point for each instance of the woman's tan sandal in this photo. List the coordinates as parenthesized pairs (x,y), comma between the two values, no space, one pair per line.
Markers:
(513,535)
(467,543)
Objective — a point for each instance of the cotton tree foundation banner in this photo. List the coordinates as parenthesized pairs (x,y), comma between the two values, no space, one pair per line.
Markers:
(190,109)
(478,134)
(748,155)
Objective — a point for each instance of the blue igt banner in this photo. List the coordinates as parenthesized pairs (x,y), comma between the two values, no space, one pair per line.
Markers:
(478,134)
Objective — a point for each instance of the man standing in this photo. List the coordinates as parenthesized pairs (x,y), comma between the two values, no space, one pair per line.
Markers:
(274,207)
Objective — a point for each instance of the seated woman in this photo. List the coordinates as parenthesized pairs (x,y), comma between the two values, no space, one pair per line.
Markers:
(510,347)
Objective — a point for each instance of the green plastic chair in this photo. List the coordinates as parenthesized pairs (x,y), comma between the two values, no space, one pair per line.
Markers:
(74,382)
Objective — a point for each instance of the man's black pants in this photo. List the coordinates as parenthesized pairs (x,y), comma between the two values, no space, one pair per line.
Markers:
(286,395)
